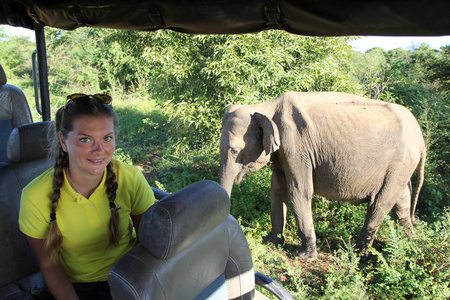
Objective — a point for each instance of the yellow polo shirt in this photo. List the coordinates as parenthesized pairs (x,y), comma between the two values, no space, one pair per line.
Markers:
(84,252)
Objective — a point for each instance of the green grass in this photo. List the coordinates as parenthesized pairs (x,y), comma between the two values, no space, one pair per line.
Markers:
(141,129)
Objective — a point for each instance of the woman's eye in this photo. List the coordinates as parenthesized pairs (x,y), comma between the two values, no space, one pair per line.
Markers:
(108,139)
(85,140)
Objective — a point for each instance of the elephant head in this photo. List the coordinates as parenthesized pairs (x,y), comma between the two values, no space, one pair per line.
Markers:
(247,141)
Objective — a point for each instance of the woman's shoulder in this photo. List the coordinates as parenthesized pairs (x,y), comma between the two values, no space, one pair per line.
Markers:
(41,183)
(124,167)
(125,171)
(130,178)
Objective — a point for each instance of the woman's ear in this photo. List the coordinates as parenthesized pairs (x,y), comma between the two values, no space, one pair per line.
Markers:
(271,137)
(62,141)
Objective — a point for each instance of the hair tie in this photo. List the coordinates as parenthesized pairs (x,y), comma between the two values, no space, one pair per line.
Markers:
(52,217)
(112,205)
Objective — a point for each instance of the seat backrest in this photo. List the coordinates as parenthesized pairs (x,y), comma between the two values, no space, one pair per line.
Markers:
(14,111)
(191,248)
(28,148)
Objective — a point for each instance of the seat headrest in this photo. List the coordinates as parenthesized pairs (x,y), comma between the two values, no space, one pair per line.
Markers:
(174,223)
(2,76)
(30,141)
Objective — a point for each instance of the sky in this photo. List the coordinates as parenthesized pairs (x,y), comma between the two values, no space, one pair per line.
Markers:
(362,44)
(391,42)
(11,30)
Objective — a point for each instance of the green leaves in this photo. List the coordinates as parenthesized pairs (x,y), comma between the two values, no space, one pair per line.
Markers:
(15,58)
(198,76)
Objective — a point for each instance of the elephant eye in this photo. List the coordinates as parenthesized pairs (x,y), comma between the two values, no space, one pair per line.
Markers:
(234,151)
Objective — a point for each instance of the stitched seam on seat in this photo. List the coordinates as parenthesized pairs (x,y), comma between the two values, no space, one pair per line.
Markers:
(239,274)
(154,274)
(136,293)
(170,239)
(12,293)
(19,183)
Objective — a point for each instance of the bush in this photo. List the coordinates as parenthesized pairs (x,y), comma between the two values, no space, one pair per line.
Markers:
(412,269)
(345,280)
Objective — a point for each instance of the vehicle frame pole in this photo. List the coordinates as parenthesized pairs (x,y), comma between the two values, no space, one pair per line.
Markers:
(43,71)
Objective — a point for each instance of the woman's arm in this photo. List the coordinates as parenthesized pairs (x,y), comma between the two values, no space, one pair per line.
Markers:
(54,275)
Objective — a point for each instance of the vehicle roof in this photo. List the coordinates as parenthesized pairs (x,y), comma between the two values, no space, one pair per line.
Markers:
(305,17)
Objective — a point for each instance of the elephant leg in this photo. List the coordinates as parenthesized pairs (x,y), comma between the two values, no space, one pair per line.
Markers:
(402,210)
(278,207)
(301,192)
(376,212)
(303,216)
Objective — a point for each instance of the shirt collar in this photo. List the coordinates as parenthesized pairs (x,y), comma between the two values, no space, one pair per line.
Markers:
(72,194)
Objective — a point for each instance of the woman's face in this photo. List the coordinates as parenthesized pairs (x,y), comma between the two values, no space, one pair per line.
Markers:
(90,145)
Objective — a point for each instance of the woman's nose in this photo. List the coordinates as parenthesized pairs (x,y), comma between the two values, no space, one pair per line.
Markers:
(98,147)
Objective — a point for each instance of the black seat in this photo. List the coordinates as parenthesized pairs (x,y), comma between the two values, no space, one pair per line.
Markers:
(191,248)
(27,148)
(14,111)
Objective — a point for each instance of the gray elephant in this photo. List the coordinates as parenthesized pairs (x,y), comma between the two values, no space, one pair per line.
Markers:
(339,146)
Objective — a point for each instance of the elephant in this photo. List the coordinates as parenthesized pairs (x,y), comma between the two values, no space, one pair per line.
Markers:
(337,145)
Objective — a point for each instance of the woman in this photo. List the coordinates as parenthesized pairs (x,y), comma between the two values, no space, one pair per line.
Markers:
(83,214)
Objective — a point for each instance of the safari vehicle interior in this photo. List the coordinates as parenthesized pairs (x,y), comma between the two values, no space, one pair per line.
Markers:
(191,248)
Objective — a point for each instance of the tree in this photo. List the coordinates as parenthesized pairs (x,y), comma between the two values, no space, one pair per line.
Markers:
(72,67)
(199,76)
(372,72)
(15,58)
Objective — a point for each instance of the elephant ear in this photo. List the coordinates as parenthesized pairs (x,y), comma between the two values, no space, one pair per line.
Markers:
(270,134)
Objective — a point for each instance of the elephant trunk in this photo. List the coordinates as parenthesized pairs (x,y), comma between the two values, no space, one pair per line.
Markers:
(226,180)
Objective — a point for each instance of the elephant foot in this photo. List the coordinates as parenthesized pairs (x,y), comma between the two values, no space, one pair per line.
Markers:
(305,254)
(362,249)
(362,246)
(273,238)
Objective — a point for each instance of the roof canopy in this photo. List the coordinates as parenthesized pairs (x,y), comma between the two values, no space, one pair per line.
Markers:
(305,17)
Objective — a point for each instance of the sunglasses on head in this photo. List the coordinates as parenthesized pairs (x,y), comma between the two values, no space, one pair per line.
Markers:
(83,98)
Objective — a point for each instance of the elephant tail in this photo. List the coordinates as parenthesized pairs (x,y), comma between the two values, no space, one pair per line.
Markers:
(420,180)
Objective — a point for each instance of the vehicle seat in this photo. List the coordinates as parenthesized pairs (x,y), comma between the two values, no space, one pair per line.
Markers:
(14,111)
(191,248)
(19,271)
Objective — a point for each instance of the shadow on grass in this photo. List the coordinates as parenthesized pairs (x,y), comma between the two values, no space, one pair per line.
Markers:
(144,140)
(142,137)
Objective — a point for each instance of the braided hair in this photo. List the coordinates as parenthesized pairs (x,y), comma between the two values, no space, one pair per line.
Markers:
(65,116)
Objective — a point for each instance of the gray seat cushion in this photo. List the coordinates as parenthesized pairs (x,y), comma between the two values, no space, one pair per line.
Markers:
(18,264)
(184,247)
(14,111)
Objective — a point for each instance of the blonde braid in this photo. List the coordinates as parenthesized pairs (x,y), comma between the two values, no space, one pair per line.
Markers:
(53,241)
(111,188)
